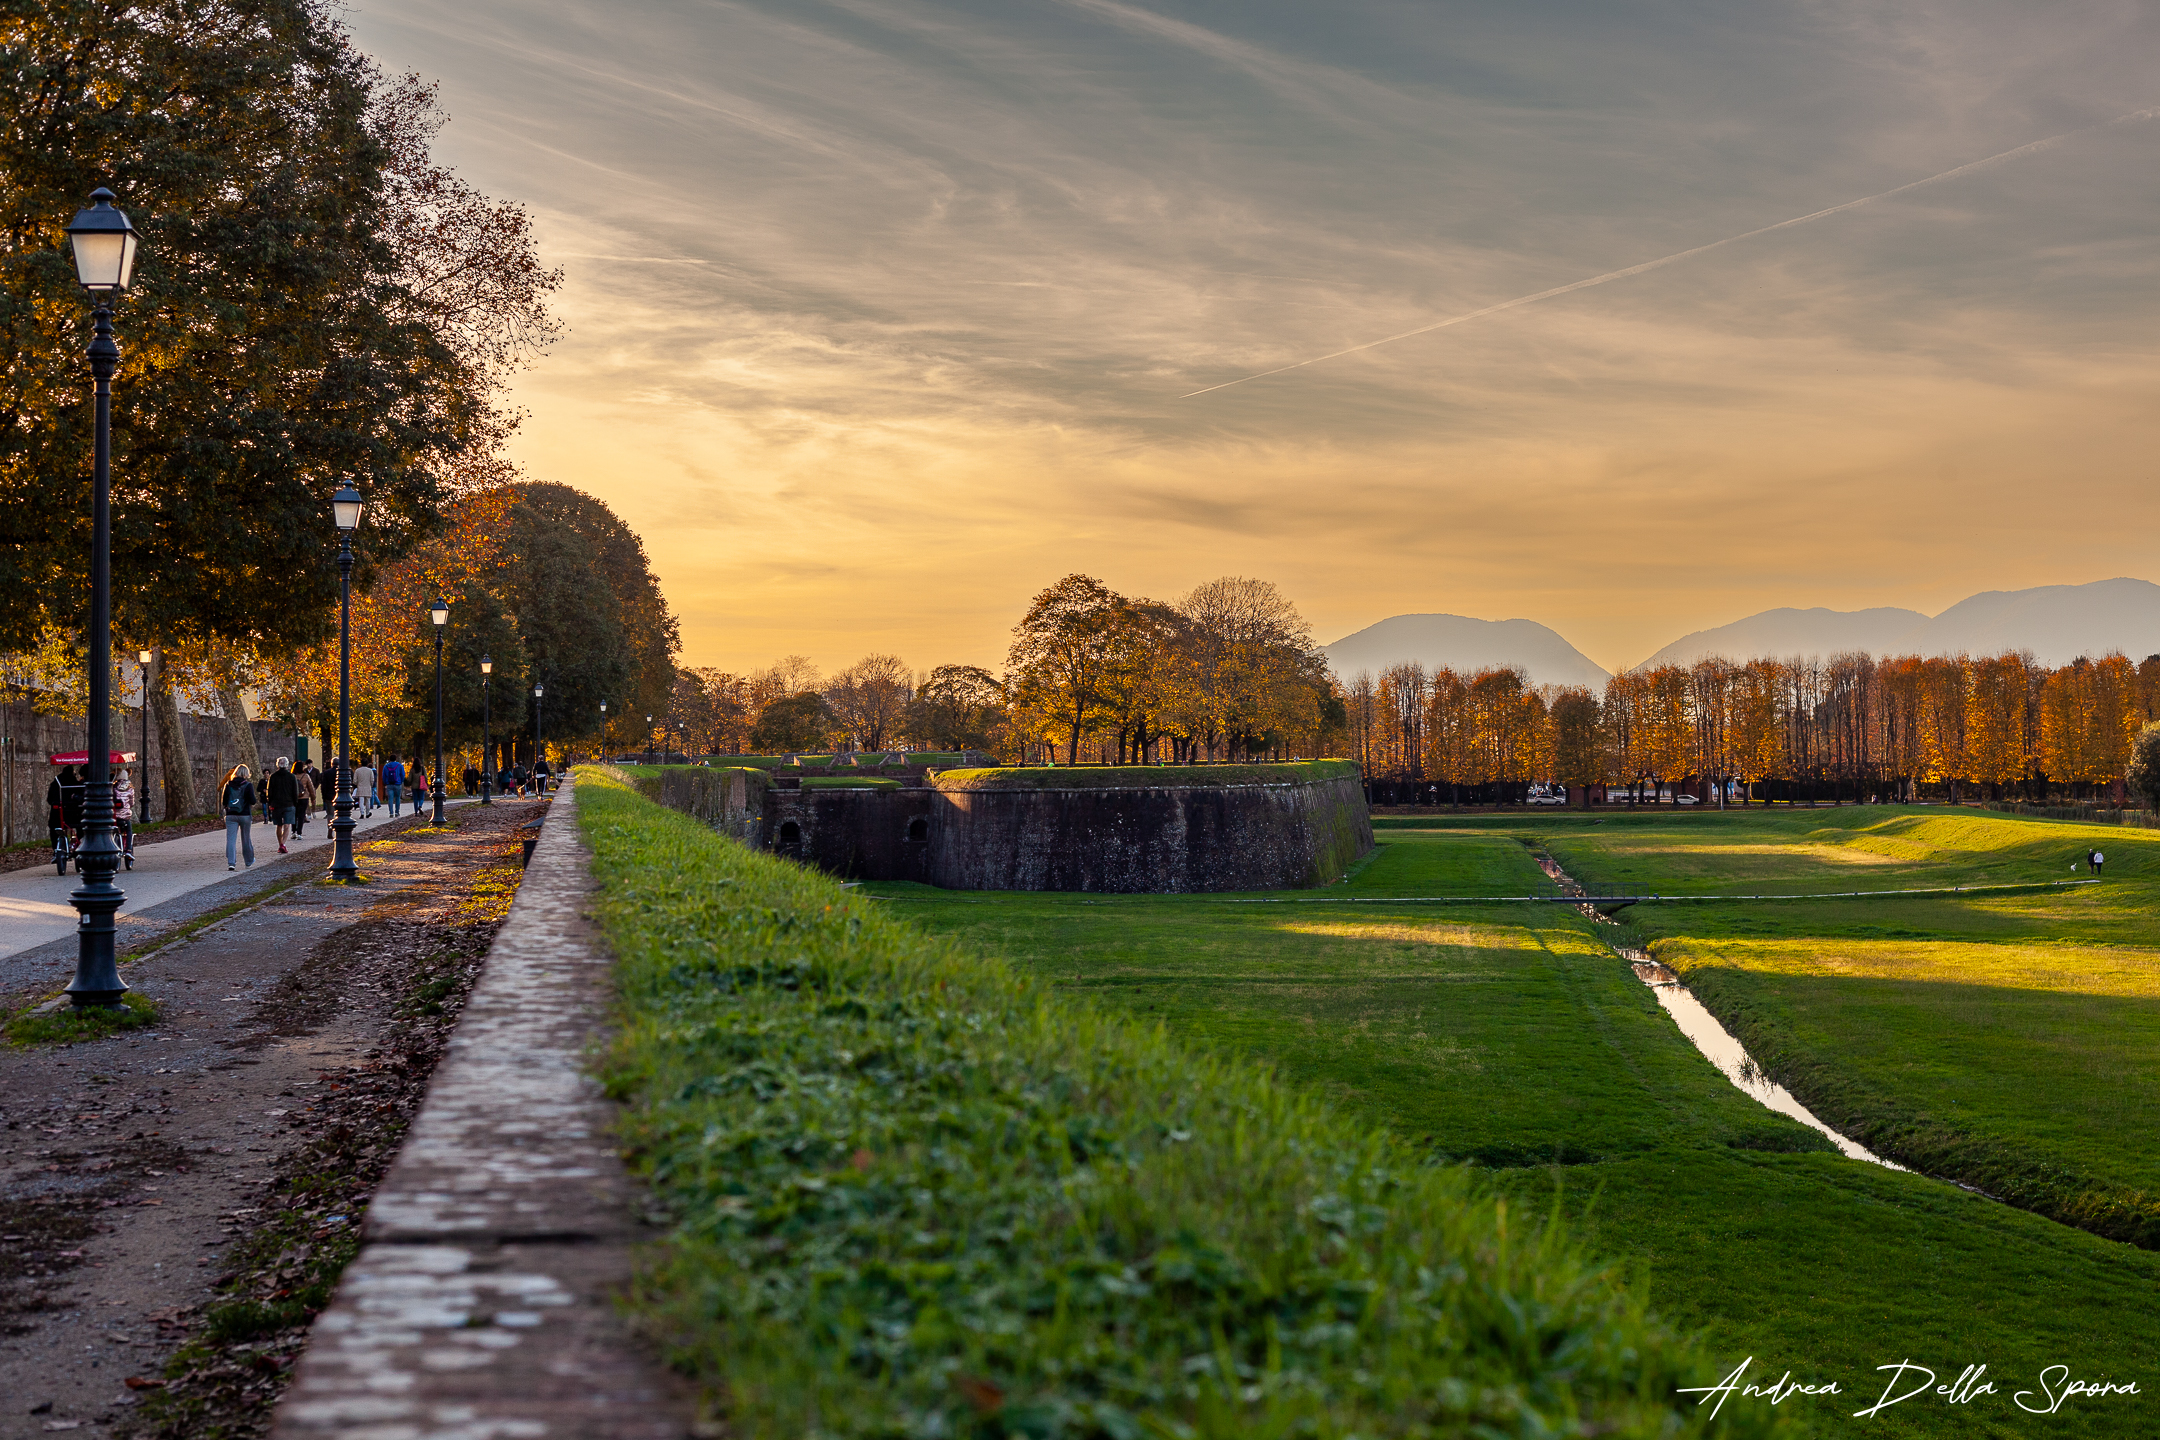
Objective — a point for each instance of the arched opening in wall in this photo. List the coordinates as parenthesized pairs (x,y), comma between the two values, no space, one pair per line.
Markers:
(918,829)
(790,835)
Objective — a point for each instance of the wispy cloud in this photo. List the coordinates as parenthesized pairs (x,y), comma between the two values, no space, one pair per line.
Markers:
(881,311)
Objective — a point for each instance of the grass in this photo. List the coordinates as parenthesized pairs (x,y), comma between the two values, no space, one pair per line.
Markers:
(2009,1041)
(1141,777)
(70,1024)
(849,782)
(915,1192)
(1510,1036)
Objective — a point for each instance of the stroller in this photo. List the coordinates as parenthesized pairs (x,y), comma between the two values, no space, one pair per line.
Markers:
(64,799)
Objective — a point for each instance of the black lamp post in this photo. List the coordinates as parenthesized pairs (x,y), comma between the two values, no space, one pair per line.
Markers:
(439,612)
(104,248)
(603,730)
(648,739)
(539,746)
(346,508)
(487,741)
(142,756)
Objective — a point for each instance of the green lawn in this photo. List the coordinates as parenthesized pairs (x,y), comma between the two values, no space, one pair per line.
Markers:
(1511,1036)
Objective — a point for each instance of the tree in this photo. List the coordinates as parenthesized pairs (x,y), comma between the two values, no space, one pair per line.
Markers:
(478,626)
(960,707)
(277,345)
(2144,775)
(791,725)
(1061,652)
(650,633)
(570,623)
(868,700)
(1577,754)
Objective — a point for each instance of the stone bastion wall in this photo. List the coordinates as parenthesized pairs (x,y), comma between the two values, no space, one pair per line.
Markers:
(1141,830)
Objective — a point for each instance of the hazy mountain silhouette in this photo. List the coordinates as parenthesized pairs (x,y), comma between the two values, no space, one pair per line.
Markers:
(2057,623)
(1795,632)
(1464,644)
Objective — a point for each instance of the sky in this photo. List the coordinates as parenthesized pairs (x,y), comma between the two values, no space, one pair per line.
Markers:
(885,314)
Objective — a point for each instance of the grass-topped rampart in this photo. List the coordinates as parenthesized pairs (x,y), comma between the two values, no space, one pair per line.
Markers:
(1143,777)
(914,1194)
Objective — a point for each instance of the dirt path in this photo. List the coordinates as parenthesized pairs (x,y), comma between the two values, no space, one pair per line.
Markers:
(193,1188)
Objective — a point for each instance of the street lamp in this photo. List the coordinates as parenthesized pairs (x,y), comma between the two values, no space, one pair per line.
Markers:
(603,731)
(487,740)
(539,747)
(439,612)
(142,756)
(103,244)
(345,509)
(648,739)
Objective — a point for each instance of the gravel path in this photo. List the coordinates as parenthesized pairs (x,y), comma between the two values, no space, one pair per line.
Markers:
(140,1174)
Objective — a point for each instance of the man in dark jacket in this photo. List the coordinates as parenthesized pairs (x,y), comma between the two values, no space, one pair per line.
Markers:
(472,779)
(282,797)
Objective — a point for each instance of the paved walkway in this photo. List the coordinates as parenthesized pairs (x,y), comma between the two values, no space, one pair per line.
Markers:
(173,880)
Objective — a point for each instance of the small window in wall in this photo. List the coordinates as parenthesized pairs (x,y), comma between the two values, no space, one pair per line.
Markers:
(918,829)
(791,833)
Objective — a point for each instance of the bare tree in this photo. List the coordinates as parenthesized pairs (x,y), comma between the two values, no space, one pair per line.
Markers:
(869,699)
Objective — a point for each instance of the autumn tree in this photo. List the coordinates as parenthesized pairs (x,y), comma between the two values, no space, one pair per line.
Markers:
(1061,654)
(296,324)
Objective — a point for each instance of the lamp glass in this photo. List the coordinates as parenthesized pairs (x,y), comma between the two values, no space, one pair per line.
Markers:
(439,612)
(346,505)
(104,259)
(536,691)
(487,666)
(142,657)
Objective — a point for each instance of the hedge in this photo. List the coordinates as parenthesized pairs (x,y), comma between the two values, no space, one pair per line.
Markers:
(908,1192)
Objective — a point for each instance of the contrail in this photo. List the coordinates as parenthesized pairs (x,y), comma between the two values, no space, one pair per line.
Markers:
(1648,265)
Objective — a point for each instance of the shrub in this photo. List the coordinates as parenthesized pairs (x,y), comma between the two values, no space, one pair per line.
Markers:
(912,1193)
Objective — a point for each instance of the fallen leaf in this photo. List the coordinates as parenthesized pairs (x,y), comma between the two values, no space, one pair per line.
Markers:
(137,1382)
(984,1396)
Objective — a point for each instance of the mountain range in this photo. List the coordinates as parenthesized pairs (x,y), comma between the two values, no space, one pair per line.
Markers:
(2057,623)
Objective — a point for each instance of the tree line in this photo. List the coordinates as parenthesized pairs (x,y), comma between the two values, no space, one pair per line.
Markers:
(1227,671)
(317,302)
(1854,725)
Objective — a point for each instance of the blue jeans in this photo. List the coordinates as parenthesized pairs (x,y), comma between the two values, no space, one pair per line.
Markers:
(397,797)
(239,830)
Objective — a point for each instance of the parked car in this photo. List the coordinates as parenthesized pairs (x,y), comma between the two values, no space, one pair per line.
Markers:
(1685,800)
(1547,797)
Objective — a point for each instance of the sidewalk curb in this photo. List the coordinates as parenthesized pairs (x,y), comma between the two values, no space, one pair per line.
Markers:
(482,1300)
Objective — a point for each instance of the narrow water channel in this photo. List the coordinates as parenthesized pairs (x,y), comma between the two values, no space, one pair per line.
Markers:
(1711,1038)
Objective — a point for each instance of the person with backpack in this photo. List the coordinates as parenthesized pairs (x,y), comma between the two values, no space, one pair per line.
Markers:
(304,778)
(237,799)
(393,781)
(281,795)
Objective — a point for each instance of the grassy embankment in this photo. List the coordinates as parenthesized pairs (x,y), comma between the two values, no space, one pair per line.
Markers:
(2009,1041)
(917,1193)
(1510,1036)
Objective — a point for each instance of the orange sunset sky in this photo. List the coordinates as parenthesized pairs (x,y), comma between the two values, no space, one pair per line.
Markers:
(885,315)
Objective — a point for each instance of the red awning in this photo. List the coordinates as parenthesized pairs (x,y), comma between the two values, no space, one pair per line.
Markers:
(82,757)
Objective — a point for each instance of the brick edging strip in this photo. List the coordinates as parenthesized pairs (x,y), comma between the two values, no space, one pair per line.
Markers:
(482,1300)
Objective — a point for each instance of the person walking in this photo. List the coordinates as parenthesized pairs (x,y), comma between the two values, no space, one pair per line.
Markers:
(281,795)
(74,790)
(472,778)
(505,782)
(393,783)
(363,789)
(304,780)
(419,790)
(237,798)
(123,812)
(541,775)
(56,807)
(2098,860)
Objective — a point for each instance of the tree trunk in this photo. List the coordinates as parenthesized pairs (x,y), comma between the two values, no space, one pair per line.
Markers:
(175,766)
(243,734)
